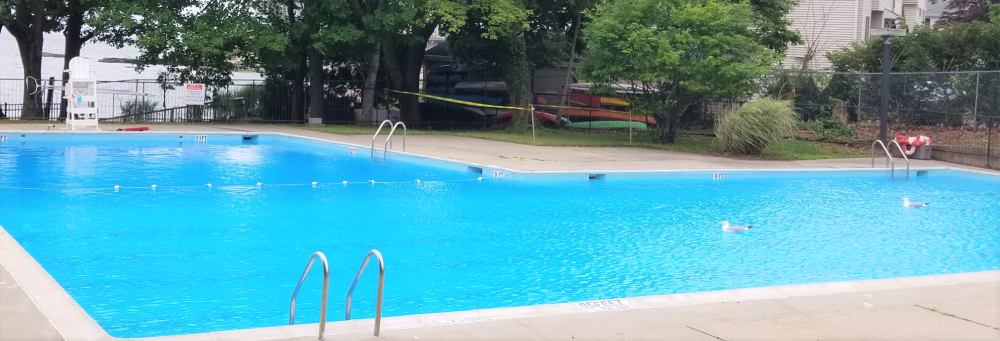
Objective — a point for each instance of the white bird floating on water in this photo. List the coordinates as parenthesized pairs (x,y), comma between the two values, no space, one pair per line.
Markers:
(730,228)
(910,204)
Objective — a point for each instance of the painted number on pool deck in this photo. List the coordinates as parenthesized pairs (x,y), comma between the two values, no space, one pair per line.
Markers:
(603,305)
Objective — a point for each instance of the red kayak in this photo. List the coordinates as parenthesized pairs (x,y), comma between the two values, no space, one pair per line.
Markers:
(134,129)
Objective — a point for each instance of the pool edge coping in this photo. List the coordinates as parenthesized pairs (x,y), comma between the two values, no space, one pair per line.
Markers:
(72,322)
(485,167)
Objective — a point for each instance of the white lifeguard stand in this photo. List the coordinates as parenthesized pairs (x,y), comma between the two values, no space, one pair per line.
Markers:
(81,96)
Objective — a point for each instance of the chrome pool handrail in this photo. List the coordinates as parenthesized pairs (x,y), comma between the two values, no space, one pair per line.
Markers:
(379,130)
(381,285)
(326,285)
(889,162)
(388,138)
(901,152)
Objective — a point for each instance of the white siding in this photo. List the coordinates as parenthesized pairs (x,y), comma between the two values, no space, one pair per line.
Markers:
(825,25)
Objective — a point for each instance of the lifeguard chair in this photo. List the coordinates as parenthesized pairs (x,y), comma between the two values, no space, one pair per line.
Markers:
(81,96)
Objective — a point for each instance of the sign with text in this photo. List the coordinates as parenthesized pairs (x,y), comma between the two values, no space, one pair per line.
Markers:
(194,94)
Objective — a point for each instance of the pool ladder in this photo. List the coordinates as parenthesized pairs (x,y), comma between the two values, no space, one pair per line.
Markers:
(350,292)
(889,160)
(388,138)
(3,139)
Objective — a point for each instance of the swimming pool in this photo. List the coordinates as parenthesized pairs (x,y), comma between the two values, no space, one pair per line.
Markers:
(188,258)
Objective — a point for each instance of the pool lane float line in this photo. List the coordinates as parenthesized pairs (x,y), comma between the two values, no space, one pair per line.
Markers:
(259,185)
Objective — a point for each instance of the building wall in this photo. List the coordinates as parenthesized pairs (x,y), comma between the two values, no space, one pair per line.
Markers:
(831,25)
(825,26)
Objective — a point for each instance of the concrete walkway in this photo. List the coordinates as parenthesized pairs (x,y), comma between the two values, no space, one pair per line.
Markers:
(953,312)
(964,311)
(19,318)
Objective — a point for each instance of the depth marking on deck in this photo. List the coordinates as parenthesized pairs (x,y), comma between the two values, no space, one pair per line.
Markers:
(603,305)
(458,320)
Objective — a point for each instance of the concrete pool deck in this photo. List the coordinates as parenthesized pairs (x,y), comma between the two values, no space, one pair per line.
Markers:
(960,306)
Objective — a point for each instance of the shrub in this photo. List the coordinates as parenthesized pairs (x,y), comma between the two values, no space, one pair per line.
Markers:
(137,106)
(827,131)
(756,125)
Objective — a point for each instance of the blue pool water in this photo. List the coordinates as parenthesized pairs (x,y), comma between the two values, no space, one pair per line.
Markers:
(186,258)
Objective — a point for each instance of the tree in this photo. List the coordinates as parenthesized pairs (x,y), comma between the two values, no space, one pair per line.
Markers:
(771,24)
(516,37)
(958,46)
(403,50)
(197,41)
(968,10)
(28,21)
(677,54)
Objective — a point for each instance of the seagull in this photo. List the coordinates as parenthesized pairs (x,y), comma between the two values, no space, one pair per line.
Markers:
(908,204)
(730,228)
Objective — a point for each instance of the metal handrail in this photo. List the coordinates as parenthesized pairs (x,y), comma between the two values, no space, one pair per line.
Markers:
(890,163)
(903,153)
(380,126)
(381,285)
(326,285)
(388,138)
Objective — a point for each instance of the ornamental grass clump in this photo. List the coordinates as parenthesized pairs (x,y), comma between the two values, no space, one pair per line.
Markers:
(755,126)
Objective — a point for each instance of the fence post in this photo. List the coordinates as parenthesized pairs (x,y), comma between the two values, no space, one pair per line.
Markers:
(989,142)
(48,98)
(975,103)
(857,110)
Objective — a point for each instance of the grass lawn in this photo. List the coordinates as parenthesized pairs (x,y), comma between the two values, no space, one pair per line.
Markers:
(791,149)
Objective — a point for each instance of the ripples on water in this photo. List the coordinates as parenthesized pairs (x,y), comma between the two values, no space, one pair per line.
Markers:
(186,258)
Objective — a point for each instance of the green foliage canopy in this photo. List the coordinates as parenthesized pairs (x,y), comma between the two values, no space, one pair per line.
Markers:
(676,54)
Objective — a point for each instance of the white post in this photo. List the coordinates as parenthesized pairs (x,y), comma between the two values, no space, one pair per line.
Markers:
(531,114)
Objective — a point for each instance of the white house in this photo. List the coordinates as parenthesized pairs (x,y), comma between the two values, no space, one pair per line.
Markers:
(830,25)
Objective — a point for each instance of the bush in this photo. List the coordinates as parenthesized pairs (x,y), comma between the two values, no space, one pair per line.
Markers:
(224,103)
(138,106)
(756,125)
(827,131)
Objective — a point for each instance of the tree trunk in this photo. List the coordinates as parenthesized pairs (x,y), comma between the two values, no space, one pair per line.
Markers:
(517,76)
(368,94)
(404,72)
(74,42)
(29,44)
(315,86)
(297,51)
(671,123)
(572,59)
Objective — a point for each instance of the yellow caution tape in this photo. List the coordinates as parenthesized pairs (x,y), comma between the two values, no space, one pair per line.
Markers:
(452,100)
(579,108)
(481,105)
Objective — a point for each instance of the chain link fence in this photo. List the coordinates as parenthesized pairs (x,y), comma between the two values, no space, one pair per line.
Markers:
(959,111)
